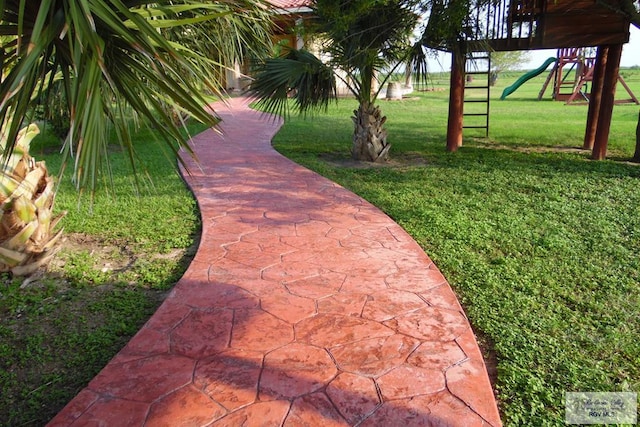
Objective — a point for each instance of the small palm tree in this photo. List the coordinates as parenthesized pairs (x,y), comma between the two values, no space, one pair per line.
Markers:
(112,60)
(361,39)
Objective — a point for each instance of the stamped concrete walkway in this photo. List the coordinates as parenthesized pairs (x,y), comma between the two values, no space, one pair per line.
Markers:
(304,306)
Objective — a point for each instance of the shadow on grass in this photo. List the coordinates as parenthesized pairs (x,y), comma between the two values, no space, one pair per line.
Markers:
(487,158)
(60,331)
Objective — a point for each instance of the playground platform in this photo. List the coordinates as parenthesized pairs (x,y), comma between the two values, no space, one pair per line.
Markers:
(304,306)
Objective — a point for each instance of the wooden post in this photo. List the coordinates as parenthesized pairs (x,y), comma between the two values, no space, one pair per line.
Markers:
(636,156)
(596,97)
(606,104)
(456,102)
(552,74)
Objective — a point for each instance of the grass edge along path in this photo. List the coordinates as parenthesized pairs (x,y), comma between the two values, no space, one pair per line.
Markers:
(123,251)
(541,244)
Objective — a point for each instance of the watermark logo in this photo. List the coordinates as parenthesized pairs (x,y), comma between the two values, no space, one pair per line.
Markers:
(601,408)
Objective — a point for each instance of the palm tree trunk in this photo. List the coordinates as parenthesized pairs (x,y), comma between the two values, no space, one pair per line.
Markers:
(27,240)
(369,136)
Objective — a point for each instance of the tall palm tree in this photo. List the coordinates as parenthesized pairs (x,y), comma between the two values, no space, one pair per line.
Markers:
(361,39)
(112,60)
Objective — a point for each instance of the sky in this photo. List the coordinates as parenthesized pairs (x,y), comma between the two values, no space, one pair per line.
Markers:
(630,55)
(630,52)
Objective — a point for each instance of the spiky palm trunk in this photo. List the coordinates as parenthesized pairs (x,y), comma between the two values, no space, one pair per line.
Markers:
(26,202)
(369,136)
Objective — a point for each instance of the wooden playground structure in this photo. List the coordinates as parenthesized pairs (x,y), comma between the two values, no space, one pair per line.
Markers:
(573,73)
(505,25)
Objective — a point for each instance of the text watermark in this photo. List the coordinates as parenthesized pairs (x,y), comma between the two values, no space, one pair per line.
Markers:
(601,408)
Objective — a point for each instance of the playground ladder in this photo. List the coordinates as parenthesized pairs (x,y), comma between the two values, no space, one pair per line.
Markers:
(476,91)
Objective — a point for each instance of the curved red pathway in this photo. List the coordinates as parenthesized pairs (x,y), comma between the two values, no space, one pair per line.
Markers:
(304,306)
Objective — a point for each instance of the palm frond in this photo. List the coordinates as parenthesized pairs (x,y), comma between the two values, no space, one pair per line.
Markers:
(299,75)
(366,37)
(113,57)
(417,61)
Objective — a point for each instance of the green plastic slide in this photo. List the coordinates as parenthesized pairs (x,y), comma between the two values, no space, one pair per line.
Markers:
(531,74)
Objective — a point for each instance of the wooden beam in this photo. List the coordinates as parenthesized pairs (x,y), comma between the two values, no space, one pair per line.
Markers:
(551,75)
(606,104)
(636,156)
(633,99)
(456,102)
(596,97)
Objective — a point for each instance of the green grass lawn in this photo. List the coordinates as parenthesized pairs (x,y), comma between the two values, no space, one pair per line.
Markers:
(541,245)
(123,252)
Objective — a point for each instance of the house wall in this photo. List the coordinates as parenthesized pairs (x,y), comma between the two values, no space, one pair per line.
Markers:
(237,76)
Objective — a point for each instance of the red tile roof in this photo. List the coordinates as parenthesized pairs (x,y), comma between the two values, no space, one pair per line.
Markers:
(290,4)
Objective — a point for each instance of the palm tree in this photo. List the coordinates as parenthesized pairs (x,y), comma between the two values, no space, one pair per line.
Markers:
(112,60)
(26,220)
(361,39)
(119,54)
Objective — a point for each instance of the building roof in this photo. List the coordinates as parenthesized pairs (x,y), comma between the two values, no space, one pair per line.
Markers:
(291,5)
